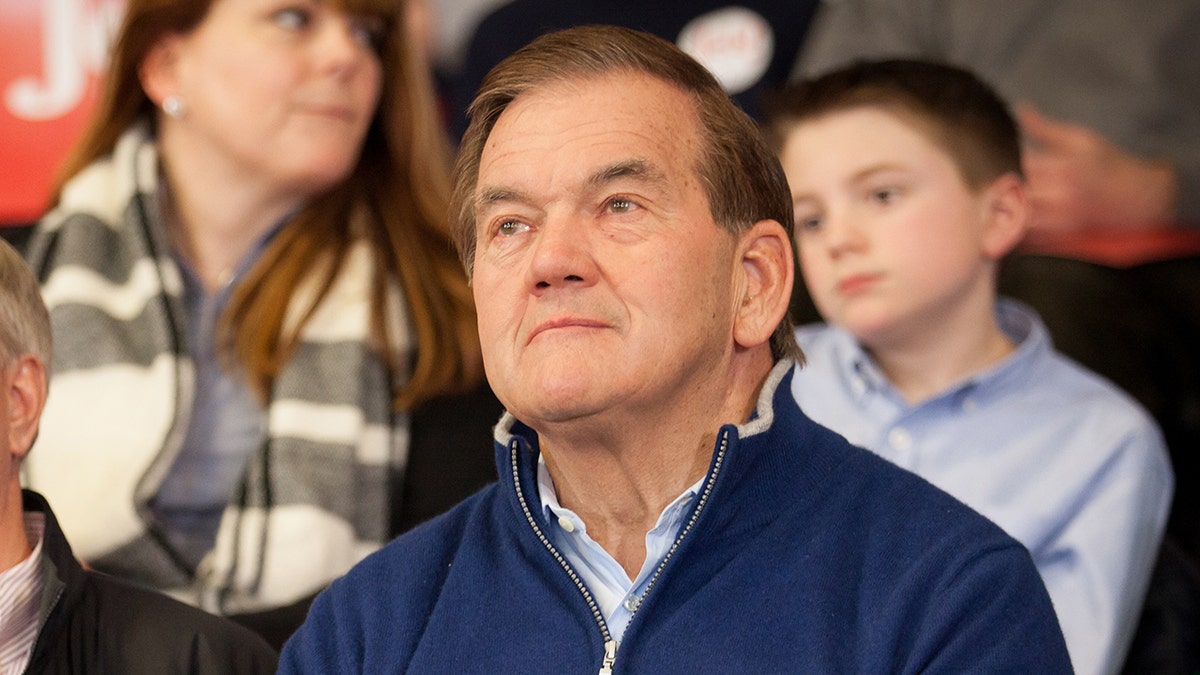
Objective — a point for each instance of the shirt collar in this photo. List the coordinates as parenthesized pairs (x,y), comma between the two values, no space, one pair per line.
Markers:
(671,517)
(21,584)
(861,375)
(864,378)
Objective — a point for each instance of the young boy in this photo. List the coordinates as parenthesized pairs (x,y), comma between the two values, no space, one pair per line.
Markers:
(906,178)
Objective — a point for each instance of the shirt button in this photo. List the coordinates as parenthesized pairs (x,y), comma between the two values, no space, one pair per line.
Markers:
(566,524)
(900,439)
(631,603)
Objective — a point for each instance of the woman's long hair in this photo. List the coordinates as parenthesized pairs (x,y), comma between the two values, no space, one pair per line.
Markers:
(396,197)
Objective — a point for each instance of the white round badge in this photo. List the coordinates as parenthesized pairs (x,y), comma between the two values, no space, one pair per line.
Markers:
(734,43)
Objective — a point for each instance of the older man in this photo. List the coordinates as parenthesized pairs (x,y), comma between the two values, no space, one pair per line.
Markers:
(56,617)
(663,505)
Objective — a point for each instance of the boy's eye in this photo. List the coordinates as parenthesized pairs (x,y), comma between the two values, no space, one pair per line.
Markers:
(885,195)
(808,222)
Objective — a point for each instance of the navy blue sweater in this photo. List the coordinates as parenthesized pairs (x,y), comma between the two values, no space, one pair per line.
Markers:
(803,553)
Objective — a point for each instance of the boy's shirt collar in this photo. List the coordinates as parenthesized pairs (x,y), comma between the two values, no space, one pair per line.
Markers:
(864,378)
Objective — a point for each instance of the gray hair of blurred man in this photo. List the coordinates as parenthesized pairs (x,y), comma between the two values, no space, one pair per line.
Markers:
(24,321)
(742,178)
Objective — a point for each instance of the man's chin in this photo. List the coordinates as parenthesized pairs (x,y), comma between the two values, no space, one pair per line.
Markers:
(558,407)
(540,417)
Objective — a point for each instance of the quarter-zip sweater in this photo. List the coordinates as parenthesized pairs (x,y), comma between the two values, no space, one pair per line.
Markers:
(802,553)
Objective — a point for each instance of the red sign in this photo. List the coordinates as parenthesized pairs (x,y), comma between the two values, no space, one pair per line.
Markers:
(51,55)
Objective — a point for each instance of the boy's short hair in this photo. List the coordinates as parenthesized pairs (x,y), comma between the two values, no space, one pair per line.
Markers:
(955,109)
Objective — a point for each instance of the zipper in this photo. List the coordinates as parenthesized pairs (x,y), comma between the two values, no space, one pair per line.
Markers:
(718,462)
(610,655)
(514,448)
(610,645)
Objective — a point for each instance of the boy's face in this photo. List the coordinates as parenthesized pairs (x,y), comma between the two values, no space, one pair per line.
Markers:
(892,241)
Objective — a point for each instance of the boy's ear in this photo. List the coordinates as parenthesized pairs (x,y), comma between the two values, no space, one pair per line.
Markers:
(1007,217)
(767,275)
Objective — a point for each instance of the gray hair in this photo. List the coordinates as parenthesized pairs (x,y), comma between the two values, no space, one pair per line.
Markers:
(24,321)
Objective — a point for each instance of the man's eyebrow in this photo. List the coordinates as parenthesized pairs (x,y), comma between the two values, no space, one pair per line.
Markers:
(494,195)
(629,168)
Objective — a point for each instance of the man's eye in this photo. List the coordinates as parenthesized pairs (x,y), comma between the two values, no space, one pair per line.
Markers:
(619,205)
(510,227)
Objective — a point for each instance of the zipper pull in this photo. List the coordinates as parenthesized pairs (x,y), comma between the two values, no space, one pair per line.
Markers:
(610,655)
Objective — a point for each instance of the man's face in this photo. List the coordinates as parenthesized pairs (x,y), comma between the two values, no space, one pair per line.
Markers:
(602,281)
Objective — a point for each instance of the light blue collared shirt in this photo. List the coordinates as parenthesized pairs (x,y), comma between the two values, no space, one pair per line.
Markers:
(1058,457)
(617,595)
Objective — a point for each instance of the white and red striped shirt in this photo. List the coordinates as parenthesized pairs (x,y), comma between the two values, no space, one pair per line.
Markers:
(20,600)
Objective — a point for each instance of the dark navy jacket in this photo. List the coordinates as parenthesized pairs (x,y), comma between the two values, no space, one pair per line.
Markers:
(802,554)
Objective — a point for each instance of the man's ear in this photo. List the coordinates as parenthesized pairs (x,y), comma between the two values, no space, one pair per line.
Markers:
(768,271)
(25,387)
(159,69)
(1007,216)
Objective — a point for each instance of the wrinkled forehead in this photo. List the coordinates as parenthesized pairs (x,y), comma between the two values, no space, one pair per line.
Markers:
(603,119)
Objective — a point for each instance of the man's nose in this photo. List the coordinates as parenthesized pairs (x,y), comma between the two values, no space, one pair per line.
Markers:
(562,253)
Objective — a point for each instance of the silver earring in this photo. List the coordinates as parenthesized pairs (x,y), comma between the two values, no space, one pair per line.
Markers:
(174,106)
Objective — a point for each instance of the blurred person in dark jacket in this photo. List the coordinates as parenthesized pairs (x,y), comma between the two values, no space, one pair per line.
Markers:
(59,617)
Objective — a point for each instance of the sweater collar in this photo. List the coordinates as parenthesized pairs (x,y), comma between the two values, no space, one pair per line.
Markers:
(517,449)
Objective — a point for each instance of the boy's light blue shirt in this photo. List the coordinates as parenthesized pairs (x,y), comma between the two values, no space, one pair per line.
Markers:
(1060,458)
